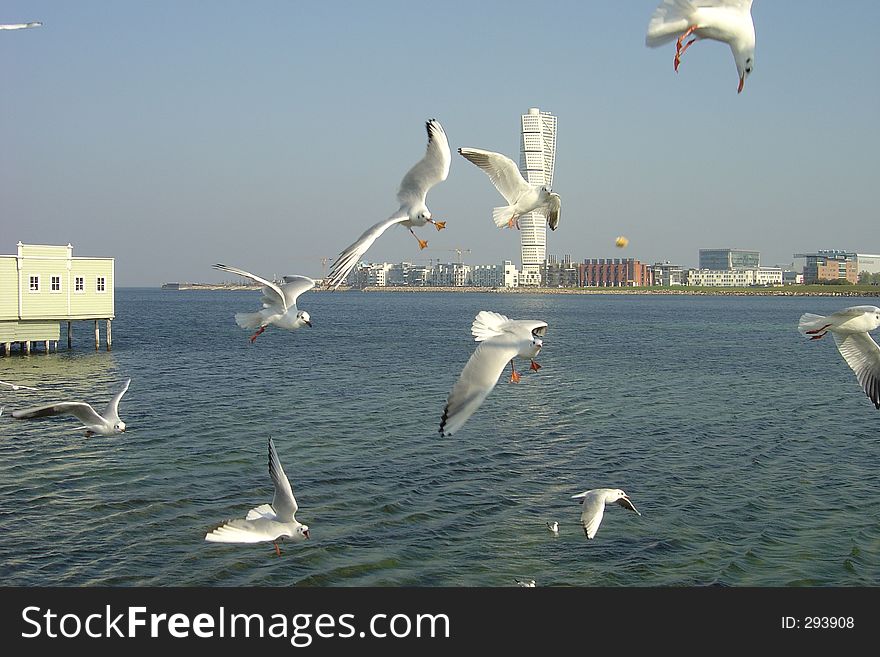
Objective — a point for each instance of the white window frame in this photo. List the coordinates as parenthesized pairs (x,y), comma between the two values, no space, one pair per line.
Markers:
(52,283)
(99,282)
(79,284)
(34,278)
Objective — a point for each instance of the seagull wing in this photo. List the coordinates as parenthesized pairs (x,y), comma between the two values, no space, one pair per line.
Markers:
(112,410)
(284,502)
(269,285)
(626,503)
(502,171)
(591,516)
(294,286)
(554,210)
(428,171)
(84,412)
(477,379)
(862,354)
(348,259)
(241,530)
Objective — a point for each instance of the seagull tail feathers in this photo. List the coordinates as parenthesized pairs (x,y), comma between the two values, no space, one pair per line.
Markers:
(249,320)
(809,322)
(502,215)
(670,20)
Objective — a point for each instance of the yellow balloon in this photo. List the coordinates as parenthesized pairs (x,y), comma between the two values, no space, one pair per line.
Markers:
(621,242)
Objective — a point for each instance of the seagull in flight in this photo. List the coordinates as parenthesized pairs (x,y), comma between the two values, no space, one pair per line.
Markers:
(105,424)
(427,172)
(16,386)
(729,21)
(20,26)
(594,502)
(501,340)
(850,328)
(279,303)
(267,522)
(522,197)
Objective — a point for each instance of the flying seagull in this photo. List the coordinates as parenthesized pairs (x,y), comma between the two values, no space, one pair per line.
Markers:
(594,502)
(106,424)
(20,26)
(427,172)
(522,197)
(16,386)
(850,328)
(729,21)
(501,340)
(267,522)
(279,303)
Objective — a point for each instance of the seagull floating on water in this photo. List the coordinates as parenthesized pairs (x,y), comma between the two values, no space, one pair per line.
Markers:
(279,303)
(553,527)
(527,583)
(267,522)
(522,197)
(427,172)
(729,21)
(850,328)
(16,386)
(105,424)
(594,502)
(501,340)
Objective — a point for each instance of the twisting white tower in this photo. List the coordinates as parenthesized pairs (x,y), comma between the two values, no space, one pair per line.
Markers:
(536,162)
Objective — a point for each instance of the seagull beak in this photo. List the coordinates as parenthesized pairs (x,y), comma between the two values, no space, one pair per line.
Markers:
(309,323)
(306,534)
(742,81)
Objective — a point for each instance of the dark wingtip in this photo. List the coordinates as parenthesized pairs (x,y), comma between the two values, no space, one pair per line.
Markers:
(443,422)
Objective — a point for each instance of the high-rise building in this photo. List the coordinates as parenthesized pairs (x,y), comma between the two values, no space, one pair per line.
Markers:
(537,161)
(719,259)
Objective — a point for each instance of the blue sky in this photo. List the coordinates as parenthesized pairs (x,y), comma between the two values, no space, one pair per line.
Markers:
(267,135)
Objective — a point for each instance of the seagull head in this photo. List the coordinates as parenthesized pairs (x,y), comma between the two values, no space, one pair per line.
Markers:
(745,62)
(119,427)
(304,316)
(303,530)
(623,500)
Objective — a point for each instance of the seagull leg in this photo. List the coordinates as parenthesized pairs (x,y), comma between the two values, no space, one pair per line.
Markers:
(818,330)
(534,366)
(514,375)
(818,336)
(679,49)
(277,549)
(257,334)
(89,433)
(510,222)
(422,243)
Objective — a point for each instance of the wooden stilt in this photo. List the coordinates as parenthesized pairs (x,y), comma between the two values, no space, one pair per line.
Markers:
(8,348)
(47,346)
(69,335)
(97,336)
(27,347)
(109,336)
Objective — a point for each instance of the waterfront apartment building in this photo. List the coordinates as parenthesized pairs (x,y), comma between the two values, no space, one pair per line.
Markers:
(43,285)
(537,163)
(558,273)
(830,265)
(734,277)
(615,272)
(868,262)
(718,259)
(667,274)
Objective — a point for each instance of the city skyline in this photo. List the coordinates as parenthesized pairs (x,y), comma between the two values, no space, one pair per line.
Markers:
(174,134)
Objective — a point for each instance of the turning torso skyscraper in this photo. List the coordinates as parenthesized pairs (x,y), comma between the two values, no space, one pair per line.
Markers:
(536,162)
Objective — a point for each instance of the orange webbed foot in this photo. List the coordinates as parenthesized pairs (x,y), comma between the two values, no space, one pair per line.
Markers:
(514,377)
(510,222)
(423,244)
(534,366)
(439,225)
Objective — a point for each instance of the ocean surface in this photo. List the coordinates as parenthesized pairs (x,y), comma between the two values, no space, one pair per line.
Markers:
(751,452)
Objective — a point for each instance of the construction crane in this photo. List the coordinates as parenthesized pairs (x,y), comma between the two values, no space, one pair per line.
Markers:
(458,252)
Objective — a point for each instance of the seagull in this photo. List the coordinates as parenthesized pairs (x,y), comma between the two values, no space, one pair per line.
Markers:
(501,340)
(594,502)
(16,386)
(427,172)
(850,328)
(729,21)
(106,424)
(20,26)
(267,522)
(279,303)
(553,527)
(527,583)
(522,197)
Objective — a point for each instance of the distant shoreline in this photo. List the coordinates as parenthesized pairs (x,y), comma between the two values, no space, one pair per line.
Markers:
(788,291)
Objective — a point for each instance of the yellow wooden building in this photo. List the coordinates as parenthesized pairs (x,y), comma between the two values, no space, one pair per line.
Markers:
(44,285)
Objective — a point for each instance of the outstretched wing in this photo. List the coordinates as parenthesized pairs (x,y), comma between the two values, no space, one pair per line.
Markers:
(246,274)
(294,286)
(241,530)
(502,171)
(554,210)
(593,511)
(112,410)
(862,354)
(85,413)
(428,171)
(284,503)
(19,26)
(477,379)
(348,259)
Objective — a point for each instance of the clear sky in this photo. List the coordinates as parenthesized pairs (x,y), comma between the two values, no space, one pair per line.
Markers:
(268,135)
